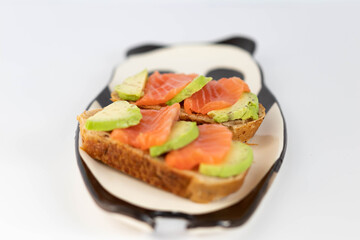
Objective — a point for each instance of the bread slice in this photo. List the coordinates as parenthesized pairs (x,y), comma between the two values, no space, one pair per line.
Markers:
(242,130)
(139,164)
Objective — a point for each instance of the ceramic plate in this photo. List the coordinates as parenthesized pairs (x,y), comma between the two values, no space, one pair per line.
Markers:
(116,192)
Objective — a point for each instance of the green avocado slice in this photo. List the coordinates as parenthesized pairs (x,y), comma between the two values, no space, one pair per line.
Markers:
(196,84)
(119,114)
(132,88)
(238,160)
(182,133)
(246,107)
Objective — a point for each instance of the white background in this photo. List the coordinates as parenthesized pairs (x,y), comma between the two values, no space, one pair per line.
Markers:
(55,57)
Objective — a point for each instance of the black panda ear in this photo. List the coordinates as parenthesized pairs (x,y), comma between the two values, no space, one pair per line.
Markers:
(241,42)
(143,49)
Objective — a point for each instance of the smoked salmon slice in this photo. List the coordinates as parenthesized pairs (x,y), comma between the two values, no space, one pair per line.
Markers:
(153,129)
(235,85)
(162,87)
(216,95)
(212,145)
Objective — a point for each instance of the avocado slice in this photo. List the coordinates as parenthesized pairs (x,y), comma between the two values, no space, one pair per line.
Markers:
(237,161)
(119,114)
(182,133)
(132,88)
(195,85)
(246,107)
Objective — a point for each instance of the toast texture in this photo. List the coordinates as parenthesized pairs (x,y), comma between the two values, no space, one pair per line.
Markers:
(154,171)
(242,130)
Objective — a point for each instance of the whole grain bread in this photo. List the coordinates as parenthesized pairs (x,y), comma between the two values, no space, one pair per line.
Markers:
(242,130)
(139,164)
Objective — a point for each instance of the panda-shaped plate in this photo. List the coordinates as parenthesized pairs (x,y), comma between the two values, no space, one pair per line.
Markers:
(119,193)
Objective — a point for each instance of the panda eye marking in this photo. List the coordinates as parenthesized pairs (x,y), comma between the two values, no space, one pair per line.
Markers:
(219,73)
(161,72)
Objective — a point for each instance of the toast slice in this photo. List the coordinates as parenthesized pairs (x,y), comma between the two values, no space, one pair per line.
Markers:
(139,164)
(242,130)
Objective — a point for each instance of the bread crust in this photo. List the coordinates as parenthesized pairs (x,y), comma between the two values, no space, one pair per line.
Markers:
(242,130)
(154,171)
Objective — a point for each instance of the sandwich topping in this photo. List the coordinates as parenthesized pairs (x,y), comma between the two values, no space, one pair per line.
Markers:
(119,114)
(183,145)
(207,148)
(196,84)
(160,88)
(132,88)
(153,129)
(216,95)
(212,145)
(223,100)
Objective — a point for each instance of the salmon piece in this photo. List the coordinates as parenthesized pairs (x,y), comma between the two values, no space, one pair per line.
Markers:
(212,96)
(212,145)
(216,95)
(162,87)
(235,85)
(153,129)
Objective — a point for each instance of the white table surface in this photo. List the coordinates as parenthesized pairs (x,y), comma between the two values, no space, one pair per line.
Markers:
(55,57)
